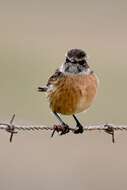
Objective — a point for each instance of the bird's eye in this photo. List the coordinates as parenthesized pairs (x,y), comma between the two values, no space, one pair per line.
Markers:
(82,62)
(67,60)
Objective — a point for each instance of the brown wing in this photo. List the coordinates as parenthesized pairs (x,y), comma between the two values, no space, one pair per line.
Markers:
(51,81)
(55,77)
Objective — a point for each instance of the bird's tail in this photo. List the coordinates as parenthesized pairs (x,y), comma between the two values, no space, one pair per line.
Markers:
(42,89)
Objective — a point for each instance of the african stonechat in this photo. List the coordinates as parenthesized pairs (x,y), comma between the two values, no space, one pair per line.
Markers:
(72,88)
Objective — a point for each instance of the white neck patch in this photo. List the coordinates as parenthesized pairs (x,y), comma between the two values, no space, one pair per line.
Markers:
(72,71)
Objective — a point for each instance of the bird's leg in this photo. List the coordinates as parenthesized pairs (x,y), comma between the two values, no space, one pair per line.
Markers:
(64,127)
(80,127)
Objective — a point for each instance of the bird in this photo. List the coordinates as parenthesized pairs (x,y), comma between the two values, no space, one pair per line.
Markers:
(72,88)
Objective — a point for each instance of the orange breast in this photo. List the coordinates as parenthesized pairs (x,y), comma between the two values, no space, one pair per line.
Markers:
(73,94)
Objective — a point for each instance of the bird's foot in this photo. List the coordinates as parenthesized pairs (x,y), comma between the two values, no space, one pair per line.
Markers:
(78,125)
(79,130)
(65,129)
(61,129)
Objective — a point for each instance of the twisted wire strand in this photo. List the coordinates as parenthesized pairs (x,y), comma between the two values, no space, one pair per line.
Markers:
(99,127)
(12,128)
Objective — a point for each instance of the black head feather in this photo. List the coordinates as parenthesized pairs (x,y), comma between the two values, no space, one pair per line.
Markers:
(76,55)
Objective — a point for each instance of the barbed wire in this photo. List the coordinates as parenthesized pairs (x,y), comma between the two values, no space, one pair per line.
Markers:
(13,128)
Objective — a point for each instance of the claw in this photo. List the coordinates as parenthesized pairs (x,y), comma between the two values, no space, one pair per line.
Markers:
(63,129)
(79,130)
(80,127)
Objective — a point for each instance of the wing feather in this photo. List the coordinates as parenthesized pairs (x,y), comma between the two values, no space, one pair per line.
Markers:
(51,81)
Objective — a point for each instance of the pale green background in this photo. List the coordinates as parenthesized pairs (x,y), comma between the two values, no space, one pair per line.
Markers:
(34,36)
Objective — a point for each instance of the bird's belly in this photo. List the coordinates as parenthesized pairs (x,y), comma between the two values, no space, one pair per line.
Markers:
(72,97)
(63,101)
(84,103)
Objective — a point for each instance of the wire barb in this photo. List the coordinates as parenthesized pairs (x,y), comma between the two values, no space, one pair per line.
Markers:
(110,130)
(13,129)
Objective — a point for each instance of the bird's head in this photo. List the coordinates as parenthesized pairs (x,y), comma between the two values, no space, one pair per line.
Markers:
(76,62)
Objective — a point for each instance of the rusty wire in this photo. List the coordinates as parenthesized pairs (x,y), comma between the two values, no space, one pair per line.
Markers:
(13,129)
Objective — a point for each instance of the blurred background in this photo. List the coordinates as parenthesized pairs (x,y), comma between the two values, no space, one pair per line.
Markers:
(34,37)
